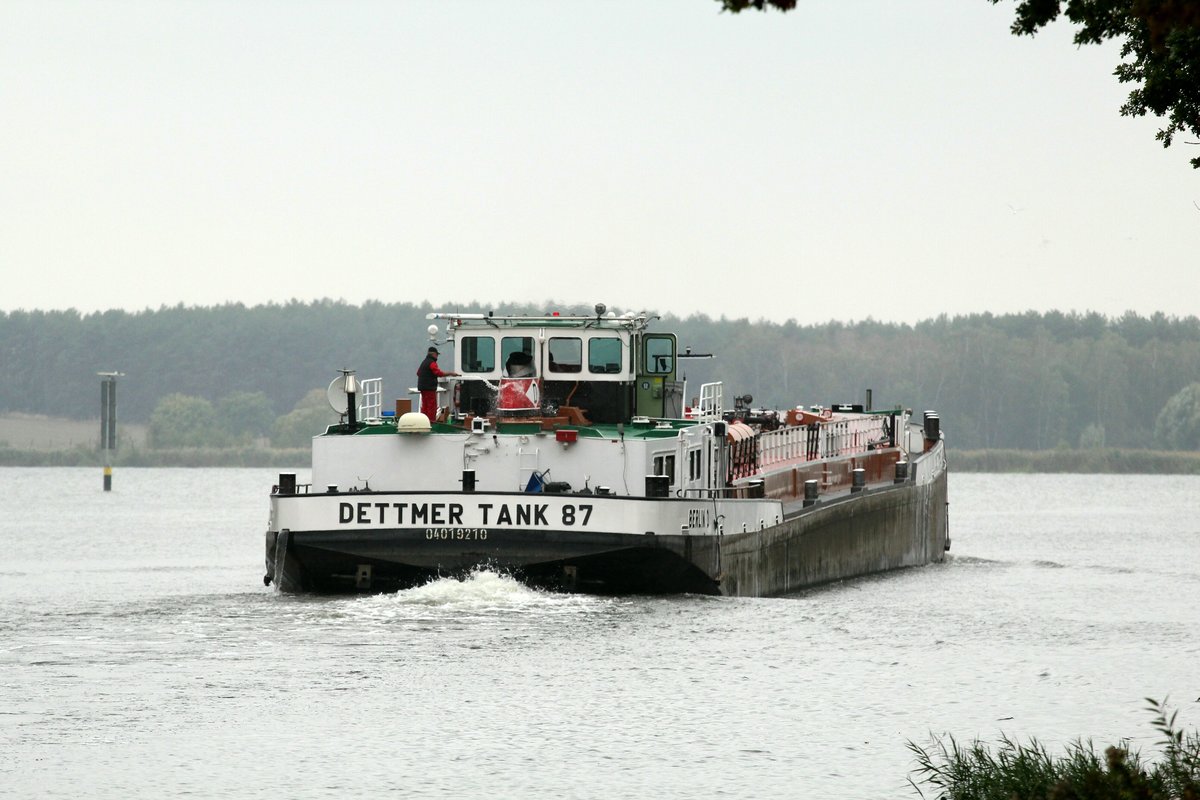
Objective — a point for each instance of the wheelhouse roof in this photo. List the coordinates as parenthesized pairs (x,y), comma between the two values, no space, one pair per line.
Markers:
(635,322)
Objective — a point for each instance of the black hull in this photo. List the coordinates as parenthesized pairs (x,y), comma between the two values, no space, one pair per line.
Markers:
(392,560)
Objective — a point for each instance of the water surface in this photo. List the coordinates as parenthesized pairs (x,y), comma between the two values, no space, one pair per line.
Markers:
(141,655)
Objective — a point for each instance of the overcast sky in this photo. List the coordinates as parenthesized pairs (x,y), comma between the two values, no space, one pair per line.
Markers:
(848,159)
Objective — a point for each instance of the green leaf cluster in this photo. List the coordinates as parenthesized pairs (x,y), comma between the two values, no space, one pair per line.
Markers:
(181,420)
(1178,424)
(1160,51)
(735,6)
(310,417)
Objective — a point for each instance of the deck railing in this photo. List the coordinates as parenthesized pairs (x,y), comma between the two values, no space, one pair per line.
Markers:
(711,402)
(370,398)
(839,437)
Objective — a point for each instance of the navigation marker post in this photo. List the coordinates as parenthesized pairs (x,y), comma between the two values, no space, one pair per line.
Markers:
(108,422)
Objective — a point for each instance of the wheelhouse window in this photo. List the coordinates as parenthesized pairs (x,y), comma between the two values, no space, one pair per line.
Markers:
(604,356)
(566,354)
(517,353)
(660,355)
(478,353)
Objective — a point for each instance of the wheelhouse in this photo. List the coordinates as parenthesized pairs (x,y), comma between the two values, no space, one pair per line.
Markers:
(602,369)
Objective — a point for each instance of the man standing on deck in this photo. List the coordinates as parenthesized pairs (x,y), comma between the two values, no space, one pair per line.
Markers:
(427,383)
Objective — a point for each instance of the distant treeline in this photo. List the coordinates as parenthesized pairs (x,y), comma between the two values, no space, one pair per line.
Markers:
(1031,381)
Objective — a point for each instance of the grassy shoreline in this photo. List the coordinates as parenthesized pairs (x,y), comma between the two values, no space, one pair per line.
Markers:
(1102,460)
(248,456)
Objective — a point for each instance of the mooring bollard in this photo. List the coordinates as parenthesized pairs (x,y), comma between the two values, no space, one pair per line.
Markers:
(901,471)
(811,490)
(933,425)
(858,480)
(932,430)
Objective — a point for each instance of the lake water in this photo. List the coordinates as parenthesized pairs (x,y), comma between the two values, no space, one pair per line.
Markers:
(141,656)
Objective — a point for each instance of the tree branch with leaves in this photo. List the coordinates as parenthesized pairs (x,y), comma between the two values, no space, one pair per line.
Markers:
(1160,50)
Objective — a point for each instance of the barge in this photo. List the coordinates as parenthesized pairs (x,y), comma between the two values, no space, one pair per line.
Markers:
(562,453)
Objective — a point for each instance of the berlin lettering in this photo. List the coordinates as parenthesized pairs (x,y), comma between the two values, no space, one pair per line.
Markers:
(533,515)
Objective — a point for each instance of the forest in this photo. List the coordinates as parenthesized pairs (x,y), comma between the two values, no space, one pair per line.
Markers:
(1030,381)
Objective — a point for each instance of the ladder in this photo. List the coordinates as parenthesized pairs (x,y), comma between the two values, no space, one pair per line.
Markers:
(527,464)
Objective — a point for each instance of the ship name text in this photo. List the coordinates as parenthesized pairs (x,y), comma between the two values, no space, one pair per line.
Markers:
(452,514)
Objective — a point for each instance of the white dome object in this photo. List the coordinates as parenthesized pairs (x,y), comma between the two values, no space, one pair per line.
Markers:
(413,422)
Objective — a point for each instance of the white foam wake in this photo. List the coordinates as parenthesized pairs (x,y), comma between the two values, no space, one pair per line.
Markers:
(482,592)
(481,587)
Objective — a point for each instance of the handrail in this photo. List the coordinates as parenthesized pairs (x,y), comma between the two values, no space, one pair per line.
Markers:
(301,488)
(837,437)
(732,492)
(711,402)
(370,394)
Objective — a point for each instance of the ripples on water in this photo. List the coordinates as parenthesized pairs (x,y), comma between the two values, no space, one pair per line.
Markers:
(141,656)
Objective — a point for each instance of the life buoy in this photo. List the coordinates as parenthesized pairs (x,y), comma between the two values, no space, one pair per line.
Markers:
(457,395)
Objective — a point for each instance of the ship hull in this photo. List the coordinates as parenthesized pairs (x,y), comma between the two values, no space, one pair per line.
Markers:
(613,545)
(390,560)
(880,529)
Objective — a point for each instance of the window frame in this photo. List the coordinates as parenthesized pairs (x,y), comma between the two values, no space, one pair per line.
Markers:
(608,340)
(564,368)
(649,366)
(463,363)
(663,463)
(504,356)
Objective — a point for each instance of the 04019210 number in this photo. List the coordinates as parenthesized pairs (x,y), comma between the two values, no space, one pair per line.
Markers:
(456,533)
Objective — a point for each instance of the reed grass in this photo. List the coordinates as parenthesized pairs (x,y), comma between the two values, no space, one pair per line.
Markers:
(1012,770)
